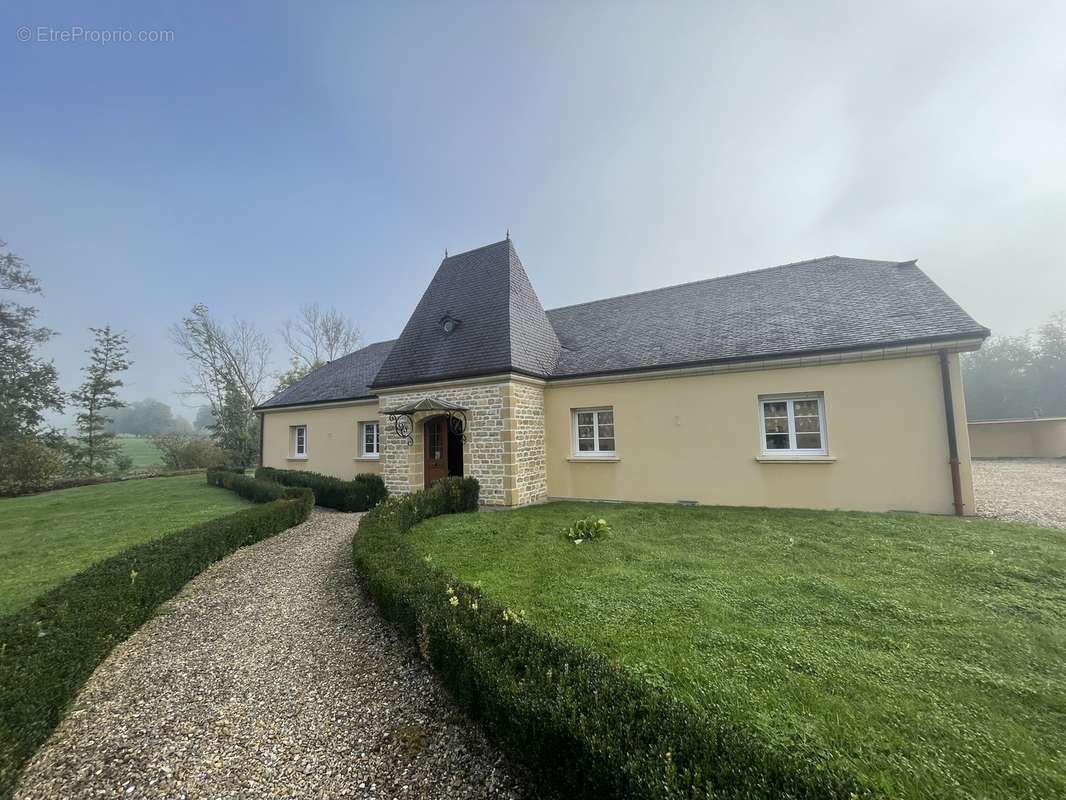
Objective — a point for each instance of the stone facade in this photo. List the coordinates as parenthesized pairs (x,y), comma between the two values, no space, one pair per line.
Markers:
(525,477)
(504,444)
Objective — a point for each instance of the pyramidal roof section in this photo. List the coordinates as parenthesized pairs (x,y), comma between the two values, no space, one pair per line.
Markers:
(478,316)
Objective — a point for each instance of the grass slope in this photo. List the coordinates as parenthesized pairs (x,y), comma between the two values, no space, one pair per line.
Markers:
(48,537)
(926,653)
(142,451)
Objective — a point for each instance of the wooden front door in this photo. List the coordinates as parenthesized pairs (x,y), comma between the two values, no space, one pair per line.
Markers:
(436,438)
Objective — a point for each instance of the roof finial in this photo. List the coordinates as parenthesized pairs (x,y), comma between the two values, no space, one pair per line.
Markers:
(445,252)
(508,234)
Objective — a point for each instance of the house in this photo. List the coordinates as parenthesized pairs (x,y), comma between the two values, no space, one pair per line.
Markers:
(830,383)
(1035,437)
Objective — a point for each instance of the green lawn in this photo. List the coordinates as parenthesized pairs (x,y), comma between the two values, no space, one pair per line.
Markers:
(45,538)
(142,451)
(928,653)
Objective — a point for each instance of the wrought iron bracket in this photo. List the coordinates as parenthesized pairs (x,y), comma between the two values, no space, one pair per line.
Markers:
(403,425)
(457,423)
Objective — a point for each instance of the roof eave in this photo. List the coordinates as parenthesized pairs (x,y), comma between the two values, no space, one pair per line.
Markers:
(946,338)
(280,406)
(455,376)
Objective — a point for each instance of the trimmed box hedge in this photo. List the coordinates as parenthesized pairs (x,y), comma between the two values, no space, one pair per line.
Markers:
(74,483)
(583,725)
(361,493)
(49,648)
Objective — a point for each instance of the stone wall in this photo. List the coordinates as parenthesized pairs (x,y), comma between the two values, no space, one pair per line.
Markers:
(525,477)
(483,451)
(504,447)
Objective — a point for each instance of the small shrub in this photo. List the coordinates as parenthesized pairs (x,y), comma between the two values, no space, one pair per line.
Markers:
(122,464)
(256,490)
(450,495)
(361,493)
(27,465)
(183,451)
(588,528)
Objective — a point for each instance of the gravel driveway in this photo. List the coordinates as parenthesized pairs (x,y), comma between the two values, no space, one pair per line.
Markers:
(270,675)
(1022,490)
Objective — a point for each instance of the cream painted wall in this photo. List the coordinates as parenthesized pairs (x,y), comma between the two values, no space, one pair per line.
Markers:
(1036,438)
(697,438)
(333,445)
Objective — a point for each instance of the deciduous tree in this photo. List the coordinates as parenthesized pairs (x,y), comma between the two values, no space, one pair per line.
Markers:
(318,336)
(147,417)
(1019,376)
(229,367)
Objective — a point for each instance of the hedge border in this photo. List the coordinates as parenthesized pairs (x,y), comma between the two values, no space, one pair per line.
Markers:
(50,648)
(77,483)
(362,493)
(583,725)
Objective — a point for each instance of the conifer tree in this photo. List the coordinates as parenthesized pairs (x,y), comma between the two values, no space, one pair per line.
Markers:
(94,449)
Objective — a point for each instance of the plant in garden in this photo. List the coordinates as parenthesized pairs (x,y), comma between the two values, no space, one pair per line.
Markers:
(588,528)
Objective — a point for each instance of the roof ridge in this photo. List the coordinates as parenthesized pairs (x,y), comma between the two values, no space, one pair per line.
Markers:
(450,256)
(516,269)
(361,349)
(705,280)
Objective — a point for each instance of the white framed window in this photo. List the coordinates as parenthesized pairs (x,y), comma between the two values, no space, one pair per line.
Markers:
(793,425)
(593,432)
(299,441)
(369,438)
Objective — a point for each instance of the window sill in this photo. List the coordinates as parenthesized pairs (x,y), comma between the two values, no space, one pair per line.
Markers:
(594,459)
(796,459)
(367,458)
(296,458)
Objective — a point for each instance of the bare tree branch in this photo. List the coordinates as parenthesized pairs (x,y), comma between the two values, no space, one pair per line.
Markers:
(317,336)
(217,355)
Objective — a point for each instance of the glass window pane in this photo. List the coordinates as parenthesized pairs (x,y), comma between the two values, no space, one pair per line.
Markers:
(584,444)
(776,409)
(777,425)
(606,430)
(584,431)
(606,416)
(584,418)
(806,407)
(807,424)
(607,444)
(808,441)
(777,441)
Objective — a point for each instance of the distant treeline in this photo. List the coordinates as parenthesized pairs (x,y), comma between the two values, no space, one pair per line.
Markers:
(150,417)
(1019,376)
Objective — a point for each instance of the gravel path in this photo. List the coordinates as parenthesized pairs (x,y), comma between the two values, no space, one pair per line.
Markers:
(1022,490)
(270,675)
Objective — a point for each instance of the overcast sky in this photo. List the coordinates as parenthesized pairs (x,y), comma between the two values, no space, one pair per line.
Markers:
(274,154)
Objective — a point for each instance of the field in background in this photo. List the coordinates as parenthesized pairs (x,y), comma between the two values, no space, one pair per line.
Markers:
(142,451)
(46,538)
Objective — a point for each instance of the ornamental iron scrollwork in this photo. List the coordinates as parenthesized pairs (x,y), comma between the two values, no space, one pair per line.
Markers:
(403,419)
(457,423)
(403,425)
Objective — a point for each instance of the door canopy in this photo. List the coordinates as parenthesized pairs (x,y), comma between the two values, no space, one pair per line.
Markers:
(403,417)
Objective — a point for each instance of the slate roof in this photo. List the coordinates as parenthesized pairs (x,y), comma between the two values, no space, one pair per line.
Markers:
(501,326)
(345,378)
(825,305)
